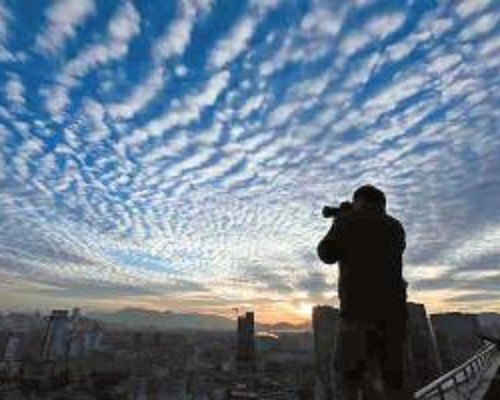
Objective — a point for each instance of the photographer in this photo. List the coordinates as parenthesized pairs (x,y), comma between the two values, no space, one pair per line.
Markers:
(368,244)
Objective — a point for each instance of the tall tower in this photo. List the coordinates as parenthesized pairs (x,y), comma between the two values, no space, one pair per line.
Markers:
(56,336)
(245,352)
(423,364)
(324,319)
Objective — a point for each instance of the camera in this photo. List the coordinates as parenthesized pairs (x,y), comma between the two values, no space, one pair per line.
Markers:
(334,212)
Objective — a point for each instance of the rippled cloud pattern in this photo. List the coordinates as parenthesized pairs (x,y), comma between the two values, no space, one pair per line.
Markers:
(177,154)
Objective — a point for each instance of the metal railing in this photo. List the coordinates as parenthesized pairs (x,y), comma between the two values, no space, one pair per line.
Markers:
(465,374)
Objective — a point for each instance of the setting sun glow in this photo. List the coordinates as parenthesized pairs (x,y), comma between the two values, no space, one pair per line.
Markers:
(305,309)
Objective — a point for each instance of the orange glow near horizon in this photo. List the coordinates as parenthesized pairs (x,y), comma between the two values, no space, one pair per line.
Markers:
(294,311)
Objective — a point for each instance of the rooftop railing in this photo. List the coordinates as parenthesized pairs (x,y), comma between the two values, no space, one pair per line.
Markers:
(464,378)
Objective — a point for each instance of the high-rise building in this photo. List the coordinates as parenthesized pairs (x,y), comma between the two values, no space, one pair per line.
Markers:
(423,363)
(13,347)
(56,336)
(138,339)
(456,335)
(324,320)
(245,352)
(76,314)
(76,345)
(93,338)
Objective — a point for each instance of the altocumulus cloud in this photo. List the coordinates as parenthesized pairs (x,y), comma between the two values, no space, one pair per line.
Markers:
(151,151)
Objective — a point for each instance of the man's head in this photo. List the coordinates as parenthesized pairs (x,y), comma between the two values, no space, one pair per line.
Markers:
(369,196)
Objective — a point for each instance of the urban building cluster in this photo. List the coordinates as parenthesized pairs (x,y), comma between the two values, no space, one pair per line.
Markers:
(434,345)
(69,356)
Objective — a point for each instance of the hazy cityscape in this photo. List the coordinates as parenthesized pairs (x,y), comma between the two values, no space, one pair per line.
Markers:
(68,355)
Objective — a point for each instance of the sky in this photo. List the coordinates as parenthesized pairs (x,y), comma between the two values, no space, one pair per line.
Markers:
(177,154)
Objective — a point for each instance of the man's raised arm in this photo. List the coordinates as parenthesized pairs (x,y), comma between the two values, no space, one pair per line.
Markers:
(330,248)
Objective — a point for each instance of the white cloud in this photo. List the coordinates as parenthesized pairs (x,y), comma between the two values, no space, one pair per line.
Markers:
(172,148)
(251,104)
(15,91)
(5,19)
(63,18)
(322,21)
(444,62)
(222,166)
(201,156)
(4,133)
(234,44)
(383,25)
(440,26)
(490,46)
(211,91)
(183,112)
(236,41)
(176,38)
(181,70)
(125,25)
(400,50)
(469,7)
(122,28)
(358,76)
(278,60)
(237,178)
(171,43)
(480,26)
(140,96)
(95,114)
(312,87)
(400,89)
(209,135)
(283,113)
(354,42)
(317,31)
(24,155)
(377,27)
(56,100)
(471,247)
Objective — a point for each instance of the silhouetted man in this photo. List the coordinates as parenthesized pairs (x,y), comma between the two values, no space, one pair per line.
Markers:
(368,244)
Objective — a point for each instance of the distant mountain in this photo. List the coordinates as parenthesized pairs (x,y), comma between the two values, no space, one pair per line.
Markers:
(286,326)
(138,317)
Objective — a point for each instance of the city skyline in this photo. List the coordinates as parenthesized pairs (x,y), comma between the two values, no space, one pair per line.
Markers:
(177,156)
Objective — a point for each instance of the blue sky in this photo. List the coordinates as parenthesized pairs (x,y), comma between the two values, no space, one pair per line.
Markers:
(176,154)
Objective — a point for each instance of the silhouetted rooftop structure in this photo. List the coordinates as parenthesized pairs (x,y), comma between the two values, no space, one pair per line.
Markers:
(245,353)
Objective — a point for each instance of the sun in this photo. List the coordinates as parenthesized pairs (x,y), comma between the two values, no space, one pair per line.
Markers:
(305,309)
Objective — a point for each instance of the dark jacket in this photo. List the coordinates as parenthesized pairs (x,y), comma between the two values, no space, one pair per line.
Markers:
(369,245)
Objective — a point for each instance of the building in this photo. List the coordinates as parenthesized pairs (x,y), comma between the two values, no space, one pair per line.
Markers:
(423,364)
(76,314)
(13,347)
(245,352)
(456,335)
(324,320)
(76,345)
(68,336)
(56,338)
